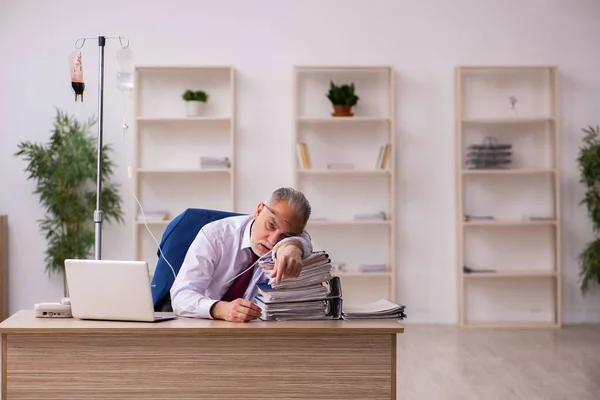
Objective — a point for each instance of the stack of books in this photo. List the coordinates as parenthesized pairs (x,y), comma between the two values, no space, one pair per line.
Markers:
(215,162)
(374,216)
(315,294)
(489,154)
(381,309)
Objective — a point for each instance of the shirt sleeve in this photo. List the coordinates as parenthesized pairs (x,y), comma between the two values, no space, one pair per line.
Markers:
(188,297)
(304,238)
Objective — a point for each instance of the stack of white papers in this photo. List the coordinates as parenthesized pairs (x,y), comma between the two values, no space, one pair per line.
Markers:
(381,309)
(268,294)
(316,271)
(315,294)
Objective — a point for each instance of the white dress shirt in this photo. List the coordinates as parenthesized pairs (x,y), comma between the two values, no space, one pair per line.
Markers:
(220,251)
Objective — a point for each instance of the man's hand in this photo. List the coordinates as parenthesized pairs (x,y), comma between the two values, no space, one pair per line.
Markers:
(239,310)
(289,261)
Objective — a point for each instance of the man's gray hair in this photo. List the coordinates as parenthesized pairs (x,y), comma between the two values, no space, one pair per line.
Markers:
(295,198)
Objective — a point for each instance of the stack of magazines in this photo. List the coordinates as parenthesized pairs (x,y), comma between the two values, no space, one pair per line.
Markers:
(381,309)
(315,294)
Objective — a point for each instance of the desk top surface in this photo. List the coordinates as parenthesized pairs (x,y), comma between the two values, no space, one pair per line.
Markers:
(25,322)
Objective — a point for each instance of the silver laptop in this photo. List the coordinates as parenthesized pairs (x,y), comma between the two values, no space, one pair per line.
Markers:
(111,290)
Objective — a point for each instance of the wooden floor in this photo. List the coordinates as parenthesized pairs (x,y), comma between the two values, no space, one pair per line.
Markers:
(448,363)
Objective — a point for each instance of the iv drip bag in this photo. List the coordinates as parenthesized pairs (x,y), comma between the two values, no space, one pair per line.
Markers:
(125,69)
(77,74)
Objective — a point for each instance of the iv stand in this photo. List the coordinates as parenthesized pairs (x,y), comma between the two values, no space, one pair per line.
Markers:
(98,213)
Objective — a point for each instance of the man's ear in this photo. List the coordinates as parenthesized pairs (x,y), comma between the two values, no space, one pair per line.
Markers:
(259,208)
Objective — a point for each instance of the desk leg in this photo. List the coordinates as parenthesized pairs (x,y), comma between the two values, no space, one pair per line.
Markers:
(394,373)
(239,366)
(4,366)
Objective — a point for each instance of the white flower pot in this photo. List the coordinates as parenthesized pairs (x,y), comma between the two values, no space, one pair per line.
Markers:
(193,108)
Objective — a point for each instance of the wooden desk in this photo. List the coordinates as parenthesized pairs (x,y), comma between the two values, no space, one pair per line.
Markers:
(199,359)
(3,266)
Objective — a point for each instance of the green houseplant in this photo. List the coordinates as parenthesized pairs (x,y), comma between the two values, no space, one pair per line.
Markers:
(589,167)
(64,171)
(193,101)
(343,98)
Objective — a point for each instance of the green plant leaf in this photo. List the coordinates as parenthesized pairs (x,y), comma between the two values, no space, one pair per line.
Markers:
(343,95)
(194,95)
(65,171)
(589,168)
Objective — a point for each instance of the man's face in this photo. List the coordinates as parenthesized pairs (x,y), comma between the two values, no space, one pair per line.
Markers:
(273,224)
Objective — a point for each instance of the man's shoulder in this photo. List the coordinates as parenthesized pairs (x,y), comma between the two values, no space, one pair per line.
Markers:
(226,227)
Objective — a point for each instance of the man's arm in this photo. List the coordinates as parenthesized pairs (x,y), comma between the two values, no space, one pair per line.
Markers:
(188,297)
(302,242)
(288,254)
(194,277)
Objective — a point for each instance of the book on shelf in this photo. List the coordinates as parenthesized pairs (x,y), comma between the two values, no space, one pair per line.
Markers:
(340,166)
(384,156)
(373,268)
(303,156)
(314,294)
(378,216)
(214,162)
(380,309)
(469,270)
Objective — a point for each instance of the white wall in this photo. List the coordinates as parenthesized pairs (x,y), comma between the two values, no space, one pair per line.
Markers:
(264,40)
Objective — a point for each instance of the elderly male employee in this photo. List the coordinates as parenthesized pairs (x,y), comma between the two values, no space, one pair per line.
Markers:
(205,286)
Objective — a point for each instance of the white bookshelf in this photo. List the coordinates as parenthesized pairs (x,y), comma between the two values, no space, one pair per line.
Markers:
(515,234)
(338,195)
(166,171)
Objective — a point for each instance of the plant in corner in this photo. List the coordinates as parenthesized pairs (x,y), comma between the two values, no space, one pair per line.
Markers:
(589,166)
(65,173)
(193,100)
(343,98)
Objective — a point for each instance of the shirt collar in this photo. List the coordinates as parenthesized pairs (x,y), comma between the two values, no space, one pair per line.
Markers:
(246,235)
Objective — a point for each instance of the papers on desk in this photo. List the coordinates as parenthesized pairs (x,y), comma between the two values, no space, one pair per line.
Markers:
(315,294)
(381,309)
(315,271)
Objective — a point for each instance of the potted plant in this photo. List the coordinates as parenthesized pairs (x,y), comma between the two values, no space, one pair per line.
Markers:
(193,101)
(342,98)
(65,173)
(589,166)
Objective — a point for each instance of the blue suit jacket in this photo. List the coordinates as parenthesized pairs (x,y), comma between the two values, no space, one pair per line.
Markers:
(176,240)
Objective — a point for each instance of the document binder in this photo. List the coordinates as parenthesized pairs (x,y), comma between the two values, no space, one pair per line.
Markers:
(382,309)
(291,304)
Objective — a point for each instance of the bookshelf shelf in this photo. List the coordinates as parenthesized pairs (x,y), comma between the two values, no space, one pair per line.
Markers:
(363,274)
(349,222)
(506,120)
(506,68)
(183,119)
(171,147)
(343,171)
(515,223)
(343,120)
(185,171)
(338,168)
(524,171)
(518,106)
(509,274)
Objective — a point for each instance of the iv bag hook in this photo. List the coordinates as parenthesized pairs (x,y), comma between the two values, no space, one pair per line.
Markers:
(122,39)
